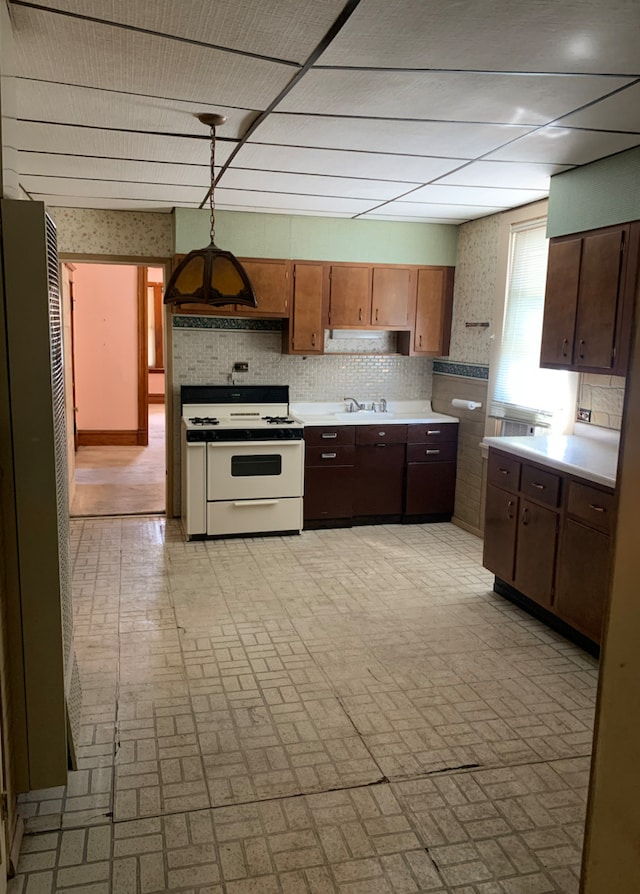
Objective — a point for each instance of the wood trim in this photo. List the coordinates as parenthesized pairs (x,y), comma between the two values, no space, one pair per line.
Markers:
(112,438)
(156,370)
(157,323)
(156,398)
(143,359)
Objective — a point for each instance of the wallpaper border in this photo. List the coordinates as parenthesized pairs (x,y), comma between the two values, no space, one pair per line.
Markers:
(468,370)
(181,321)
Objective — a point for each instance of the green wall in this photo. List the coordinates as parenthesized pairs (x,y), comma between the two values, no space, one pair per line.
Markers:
(597,195)
(256,235)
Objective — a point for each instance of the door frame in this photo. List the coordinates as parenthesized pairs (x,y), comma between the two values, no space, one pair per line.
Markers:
(144,262)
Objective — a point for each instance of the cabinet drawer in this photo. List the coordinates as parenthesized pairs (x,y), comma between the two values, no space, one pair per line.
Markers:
(321,436)
(592,506)
(381,434)
(503,471)
(432,433)
(428,453)
(330,455)
(541,485)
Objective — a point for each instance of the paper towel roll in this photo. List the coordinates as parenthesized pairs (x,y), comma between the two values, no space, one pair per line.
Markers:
(465,404)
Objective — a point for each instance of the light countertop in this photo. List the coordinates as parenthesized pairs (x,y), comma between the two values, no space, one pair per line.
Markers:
(398,412)
(593,458)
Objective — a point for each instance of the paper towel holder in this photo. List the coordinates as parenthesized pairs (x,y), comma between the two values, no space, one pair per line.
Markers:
(465,404)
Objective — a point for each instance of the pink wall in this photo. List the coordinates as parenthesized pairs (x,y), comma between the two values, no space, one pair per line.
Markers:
(106,346)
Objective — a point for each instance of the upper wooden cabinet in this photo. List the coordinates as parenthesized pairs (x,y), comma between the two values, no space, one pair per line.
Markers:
(591,280)
(365,296)
(431,330)
(271,281)
(304,333)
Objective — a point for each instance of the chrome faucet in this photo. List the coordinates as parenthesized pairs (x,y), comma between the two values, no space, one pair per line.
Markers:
(383,405)
(354,406)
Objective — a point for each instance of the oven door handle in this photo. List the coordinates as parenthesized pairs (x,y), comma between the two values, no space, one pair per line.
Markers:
(256,502)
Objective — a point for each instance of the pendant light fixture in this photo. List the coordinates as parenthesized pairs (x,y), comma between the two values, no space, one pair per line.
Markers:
(210,275)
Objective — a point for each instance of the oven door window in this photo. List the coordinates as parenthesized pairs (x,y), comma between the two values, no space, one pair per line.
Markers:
(256,465)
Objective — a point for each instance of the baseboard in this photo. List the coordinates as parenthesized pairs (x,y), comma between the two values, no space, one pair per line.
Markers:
(156,398)
(110,438)
(16,844)
(467,527)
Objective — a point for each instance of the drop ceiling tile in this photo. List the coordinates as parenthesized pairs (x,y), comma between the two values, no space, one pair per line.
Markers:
(289,30)
(619,112)
(509,175)
(231,198)
(72,51)
(35,137)
(73,166)
(562,145)
(411,137)
(43,101)
(504,35)
(108,204)
(307,184)
(67,186)
(404,218)
(436,211)
(446,96)
(475,195)
(335,162)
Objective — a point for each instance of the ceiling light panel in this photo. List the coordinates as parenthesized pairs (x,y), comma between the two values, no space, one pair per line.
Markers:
(475,195)
(56,48)
(290,29)
(411,137)
(112,189)
(115,144)
(114,169)
(43,101)
(505,174)
(230,198)
(445,96)
(561,145)
(504,35)
(306,184)
(619,112)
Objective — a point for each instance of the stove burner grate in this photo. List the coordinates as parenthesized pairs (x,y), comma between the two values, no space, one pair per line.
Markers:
(277,420)
(204,420)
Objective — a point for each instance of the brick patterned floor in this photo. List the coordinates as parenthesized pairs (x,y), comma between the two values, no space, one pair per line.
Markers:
(350,711)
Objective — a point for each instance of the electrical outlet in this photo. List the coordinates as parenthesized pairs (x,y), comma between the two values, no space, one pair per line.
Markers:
(241,367)
(584,415)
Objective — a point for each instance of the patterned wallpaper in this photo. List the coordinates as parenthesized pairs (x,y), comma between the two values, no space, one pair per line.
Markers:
(475,288)
(127,233)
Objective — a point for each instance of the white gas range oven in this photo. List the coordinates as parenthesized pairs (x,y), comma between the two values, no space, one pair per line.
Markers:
(242,458)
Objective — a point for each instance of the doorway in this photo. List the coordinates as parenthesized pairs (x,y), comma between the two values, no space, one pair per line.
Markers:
(114,341)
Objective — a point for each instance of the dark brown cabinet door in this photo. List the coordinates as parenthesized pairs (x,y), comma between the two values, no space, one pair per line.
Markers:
(379,479)
(350,296)
(536,552)
(306,332)
(560,302)
(433,311)
(271,281)
(430,488)
(500,529)
(328,492)
(598,300)
(583,578)
(393,296)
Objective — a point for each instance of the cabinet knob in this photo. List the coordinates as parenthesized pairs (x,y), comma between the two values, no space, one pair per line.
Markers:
(503,471)
(596,508)
(431,452)
(525,516)
(420,341)
(329,434)
(581,348)
(433,431)
(313,339)
(565,345)
(376,314)
(537,485)
(509,508)
(360,313)
(382,434)
(329,455)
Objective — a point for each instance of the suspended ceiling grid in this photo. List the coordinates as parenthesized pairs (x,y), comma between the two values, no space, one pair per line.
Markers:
(379,109)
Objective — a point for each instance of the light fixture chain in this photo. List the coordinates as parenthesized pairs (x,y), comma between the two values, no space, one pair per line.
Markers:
(212,205)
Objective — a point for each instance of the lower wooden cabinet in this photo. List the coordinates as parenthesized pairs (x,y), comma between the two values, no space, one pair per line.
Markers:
(379,476)
(547,536)
(430,484)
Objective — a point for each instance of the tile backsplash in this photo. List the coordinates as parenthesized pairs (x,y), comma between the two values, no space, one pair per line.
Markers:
(205,356)
(604,396)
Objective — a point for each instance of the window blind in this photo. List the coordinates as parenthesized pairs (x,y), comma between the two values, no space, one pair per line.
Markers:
(523,392)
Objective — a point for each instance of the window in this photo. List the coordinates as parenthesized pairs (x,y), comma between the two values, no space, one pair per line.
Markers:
(522,391)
